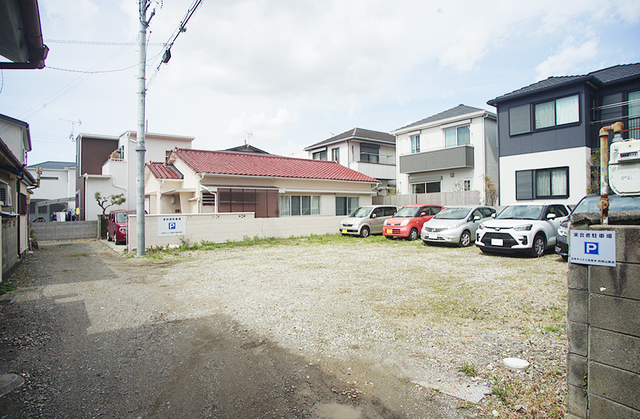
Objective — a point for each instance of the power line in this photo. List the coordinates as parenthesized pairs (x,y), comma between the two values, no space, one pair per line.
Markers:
(101,43)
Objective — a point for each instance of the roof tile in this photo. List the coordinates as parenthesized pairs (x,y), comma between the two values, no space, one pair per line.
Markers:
(263,165)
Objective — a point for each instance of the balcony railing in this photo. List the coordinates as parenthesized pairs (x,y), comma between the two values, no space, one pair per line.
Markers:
(441,159)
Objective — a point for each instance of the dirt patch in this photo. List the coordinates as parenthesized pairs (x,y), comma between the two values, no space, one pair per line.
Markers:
(354,322)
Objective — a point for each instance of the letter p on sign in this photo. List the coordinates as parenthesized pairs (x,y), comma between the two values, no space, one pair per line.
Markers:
(591,248)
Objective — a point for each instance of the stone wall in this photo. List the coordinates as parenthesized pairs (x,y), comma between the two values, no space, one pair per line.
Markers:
(603,332)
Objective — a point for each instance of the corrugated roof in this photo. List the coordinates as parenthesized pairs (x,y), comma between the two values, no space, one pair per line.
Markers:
(164,171)
(264,165)
(357,134)
(53,165)
(459,110)
(605,76)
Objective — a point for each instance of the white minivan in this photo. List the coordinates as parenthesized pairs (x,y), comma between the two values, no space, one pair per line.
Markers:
(367,220)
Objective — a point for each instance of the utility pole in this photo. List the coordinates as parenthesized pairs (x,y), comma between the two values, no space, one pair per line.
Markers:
(143,6)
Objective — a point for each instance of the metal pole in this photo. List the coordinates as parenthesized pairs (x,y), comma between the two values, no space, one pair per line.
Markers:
(140,147)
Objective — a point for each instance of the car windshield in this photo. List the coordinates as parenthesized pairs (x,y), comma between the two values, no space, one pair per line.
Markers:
(121,217)
(452,214)
(521,212)
(408,212)
(361,212)
(616,203)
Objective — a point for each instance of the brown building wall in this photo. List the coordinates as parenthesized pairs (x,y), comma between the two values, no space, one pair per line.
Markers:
(91,154)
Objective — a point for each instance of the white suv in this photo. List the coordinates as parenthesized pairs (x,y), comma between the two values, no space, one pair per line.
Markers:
(528,228)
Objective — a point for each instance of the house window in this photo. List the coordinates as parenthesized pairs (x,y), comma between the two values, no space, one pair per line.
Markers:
(415,144)
(428,187)
(466,185)
(457,136)
(299,205)
(320,155)
(557,112)
(519,120)
(346,204)
(369,153)
(542,183)
(633,111)
(208,199)
(335,154)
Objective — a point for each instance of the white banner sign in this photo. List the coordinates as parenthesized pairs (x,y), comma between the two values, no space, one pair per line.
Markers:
(592,247)
(172,226)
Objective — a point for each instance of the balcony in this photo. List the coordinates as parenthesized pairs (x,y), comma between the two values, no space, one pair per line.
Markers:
(459,157)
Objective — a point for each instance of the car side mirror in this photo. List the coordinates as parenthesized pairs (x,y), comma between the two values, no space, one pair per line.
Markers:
(551,216)
(374,215)
(422,214)
(476,218)
(493,215)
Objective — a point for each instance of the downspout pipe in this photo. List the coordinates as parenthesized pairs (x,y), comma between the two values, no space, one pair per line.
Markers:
(604,168)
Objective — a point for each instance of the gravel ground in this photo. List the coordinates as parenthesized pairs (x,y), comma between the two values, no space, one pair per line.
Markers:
(378,328)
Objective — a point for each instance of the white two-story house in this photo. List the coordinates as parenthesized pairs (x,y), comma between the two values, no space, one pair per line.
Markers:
(455,150)
(372,153)
(56,193)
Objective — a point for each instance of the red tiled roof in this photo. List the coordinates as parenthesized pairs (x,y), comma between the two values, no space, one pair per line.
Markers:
(243,164)
(162,171)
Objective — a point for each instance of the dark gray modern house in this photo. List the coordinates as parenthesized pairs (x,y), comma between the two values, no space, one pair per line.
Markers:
(548,130)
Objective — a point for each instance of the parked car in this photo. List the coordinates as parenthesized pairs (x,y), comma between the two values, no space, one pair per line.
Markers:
(522,228)
(455,225)
(590,204)
(367,220)
(408,222)
(117,225)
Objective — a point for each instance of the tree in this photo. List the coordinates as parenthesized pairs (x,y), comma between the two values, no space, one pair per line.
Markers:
(108,201)
(490,191)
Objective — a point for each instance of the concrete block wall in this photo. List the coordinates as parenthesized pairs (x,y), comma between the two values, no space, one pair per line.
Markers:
(603,333)
(69,230)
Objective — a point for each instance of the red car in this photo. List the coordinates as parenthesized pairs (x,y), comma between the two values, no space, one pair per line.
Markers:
(408,221)
(118,224)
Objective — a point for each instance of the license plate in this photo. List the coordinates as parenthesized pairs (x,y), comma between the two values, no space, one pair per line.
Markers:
(497,242)
(389,231)
(344,231)
(433,236)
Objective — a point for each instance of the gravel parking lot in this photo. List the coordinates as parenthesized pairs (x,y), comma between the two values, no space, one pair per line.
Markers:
(395,321)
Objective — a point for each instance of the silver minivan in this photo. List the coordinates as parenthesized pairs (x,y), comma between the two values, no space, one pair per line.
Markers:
(367,220)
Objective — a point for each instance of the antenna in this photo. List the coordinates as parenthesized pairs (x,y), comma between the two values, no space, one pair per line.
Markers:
(72,134)
(248,139)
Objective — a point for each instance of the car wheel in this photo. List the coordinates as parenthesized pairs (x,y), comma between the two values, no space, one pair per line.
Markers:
(413,234)
(364,232)
(465,239)
(565,258)
(539,246)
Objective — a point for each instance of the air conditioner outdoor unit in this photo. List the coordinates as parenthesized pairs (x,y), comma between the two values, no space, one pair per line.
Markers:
(5,195)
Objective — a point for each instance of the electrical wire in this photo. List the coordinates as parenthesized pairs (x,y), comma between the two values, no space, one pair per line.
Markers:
(100,43)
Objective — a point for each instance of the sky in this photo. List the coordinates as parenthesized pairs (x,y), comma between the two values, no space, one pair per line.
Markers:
(283,75)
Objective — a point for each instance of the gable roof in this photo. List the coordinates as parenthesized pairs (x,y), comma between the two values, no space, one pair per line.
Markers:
(265,165)
(164,171)
(357,134)
(603,77)
(53,165)
(458,111)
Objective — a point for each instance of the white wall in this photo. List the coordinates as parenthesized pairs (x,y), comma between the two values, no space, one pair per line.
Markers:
(106,188)
(220,228)
(62,187)
(575,158)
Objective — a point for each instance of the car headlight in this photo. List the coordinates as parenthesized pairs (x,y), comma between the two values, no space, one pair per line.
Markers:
(404,223)
(528,227)
(562,231)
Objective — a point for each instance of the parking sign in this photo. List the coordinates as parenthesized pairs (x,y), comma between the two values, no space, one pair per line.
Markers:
(172,225)
(592,247)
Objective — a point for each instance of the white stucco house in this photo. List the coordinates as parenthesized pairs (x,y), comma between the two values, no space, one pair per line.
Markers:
(118,171)
(451,151)
(370,152)
(209,182)
(56,191)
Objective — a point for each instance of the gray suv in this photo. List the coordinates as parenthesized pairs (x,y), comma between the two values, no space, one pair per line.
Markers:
(367,220)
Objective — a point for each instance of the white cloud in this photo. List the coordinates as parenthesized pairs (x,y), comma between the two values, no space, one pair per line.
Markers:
(571,56)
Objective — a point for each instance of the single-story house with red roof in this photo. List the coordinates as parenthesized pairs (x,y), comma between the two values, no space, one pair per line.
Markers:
(210,182)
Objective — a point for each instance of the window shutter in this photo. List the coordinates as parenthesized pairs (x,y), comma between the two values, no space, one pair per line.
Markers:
(524,184)
(519,120)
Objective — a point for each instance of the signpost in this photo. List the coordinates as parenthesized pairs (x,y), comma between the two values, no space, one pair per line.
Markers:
(172,225)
